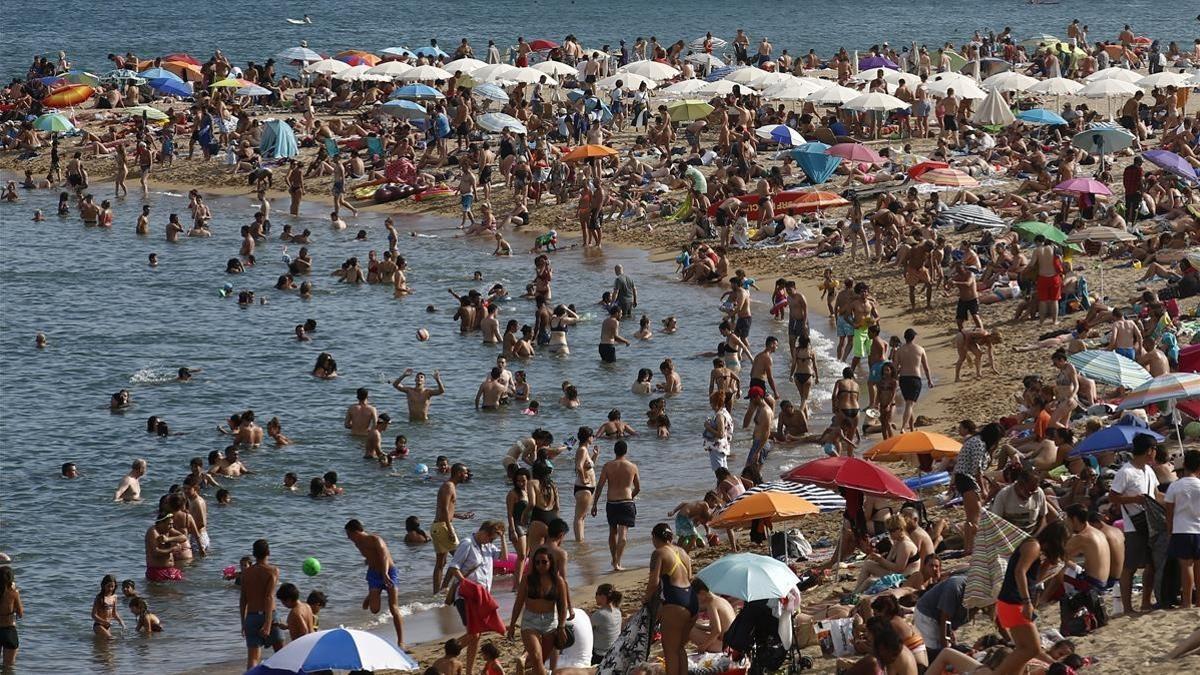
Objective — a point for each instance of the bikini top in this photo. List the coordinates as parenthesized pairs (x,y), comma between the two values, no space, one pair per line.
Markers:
(535,591)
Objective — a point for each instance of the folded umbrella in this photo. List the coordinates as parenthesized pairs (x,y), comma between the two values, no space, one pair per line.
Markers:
(817,164)
(749,577)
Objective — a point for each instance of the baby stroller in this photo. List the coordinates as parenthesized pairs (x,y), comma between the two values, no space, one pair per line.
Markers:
(754,633)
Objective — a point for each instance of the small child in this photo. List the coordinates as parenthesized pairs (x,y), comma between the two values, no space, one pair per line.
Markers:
(401,447)
(532,409)
(670,325)
(129,589)
(147,622)
(644,332)
(503,248)
(449,664)
(413,534)
(491,655)
(224,498)
(290,479)
(545,242)
(656,417)
(316,600)
(570,397)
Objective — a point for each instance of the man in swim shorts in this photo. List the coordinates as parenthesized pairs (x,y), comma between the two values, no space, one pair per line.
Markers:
(381,573)
(762,414)
(610,336)
(1049,279)
(257,604)
(621,478)
(161,541)
(912,363)
(445,539)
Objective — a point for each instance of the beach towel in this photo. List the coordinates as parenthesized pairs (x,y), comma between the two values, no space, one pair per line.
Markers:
(483,614)
(632,646)
(995,542)
(681,213)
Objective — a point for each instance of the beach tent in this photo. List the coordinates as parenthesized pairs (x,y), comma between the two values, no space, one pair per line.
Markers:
(278,140)
(817,164)
(993,111)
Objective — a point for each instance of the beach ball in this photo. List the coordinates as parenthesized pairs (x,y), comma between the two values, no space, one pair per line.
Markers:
(422,334)
(312,566)
(1192,430)
(420,470)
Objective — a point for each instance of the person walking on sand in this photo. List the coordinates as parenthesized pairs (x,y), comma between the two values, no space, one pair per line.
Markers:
(620,476)
(1049,269)
(474,559)
(381,573)
(912,361)
(260,625)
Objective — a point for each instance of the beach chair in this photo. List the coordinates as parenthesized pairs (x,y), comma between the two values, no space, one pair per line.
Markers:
(375,147)
(331,147)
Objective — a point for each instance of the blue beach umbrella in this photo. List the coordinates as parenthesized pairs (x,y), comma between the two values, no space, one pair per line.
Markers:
(1116,437)
(417,92)
(1041,116)
(720,73)
(1110,368)
(749,576)
(51,80)
(339,649)
(160,74)
(404,108)
(491,91)
(429,52)
(396,51)
(817,165)
(174,87)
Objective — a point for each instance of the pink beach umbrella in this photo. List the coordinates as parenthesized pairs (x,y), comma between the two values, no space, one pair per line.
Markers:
(855,152)
(1083,186)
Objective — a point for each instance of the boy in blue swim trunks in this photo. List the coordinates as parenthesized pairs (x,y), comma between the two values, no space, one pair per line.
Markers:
(381,573)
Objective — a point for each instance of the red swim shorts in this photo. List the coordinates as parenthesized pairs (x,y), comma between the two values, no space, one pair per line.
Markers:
(1049,288)
(164,573)
(1009,615)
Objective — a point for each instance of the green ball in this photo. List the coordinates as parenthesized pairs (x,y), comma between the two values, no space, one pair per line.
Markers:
(1192,430)
(312,567)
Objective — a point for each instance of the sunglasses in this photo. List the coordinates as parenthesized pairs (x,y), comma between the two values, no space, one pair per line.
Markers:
(542,561)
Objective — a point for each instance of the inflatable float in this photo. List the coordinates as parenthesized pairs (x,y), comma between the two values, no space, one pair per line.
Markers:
(927,481)
(65,97)
(433,193)
(506,565)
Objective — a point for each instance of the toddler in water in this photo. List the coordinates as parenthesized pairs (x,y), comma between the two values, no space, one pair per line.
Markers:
(146,621)
(670,325)
(224,498)
(129,589)
(401,448)
(413,534)
(316,601)
(290,480)
(532,409)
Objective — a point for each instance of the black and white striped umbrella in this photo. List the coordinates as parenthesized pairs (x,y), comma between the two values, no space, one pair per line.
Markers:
(826,500)
(970,216)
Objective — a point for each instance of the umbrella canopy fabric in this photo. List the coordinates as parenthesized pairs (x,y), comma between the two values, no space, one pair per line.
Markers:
(1110,368)
(963,86)
(1114,73)
(404,108)
(1102,141)
(399,52)
(780,133)
(817,164)
(182,57)
(340,649)
(493,72)
(352,73)
(810,201)
(302,54)
(994,543)
(429,52)
(253,90)
(791,89)
(82,77)
(971,215)
(1172,163)
(159,73)
(825,500)
(683,87)
(153,114)
(1055,86)
(875,101)
(589,151)
(123,75)
(750,76)
(724,88)
(1164,79)
(55,122)
(1083,186)
(417,92)
(491,91)
(1111,439)
(748,577)
(70,95)
(466,65)
(717,43)
(1036,228)
(1009,80)
(1169,387)
(855,152)
(1108,88)
(278,140)
(914,443)
(1100,233)
(554,68)
(530,76)
(542,45)
(326,67)
(631,81)
(1041,116)
(853,474)
(425,74)
(705,60)
(772,505)
(497,122)
(655,70)
(834,94)
(928,165)
(688,110)
(994,110)
(358,58)
(948,178)
(868,62)
(389,69)
(175,87)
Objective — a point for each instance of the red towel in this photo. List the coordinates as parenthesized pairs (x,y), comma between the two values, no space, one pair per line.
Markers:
(483,614)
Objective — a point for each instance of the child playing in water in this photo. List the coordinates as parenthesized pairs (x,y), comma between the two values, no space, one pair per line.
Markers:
(401,450)
(670,325)
(643,386)
(644,332)
(828,289)
(656,417)
(503,248)
(147,622)
(104,608)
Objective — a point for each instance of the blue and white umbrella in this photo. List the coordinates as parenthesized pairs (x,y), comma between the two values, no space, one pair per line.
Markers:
(491,91)
(406,109)
(417,92)
(780,133)
(396,51)
(429,52)
(1100,141)
(748,577)
(497,122)
(1116,437)
(1110,368)
(339,649)
(159,74)
(1041,116)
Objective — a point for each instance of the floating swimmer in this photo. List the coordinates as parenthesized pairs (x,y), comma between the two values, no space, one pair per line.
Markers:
(300,22)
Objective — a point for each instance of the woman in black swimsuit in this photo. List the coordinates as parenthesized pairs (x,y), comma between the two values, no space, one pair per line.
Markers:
(517,504)
(671,576)
(542,494)
(585,477)
(542,607)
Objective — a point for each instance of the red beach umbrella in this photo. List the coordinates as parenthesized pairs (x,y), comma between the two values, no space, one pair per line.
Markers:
(542,45)
(926,166)
(853,474)
(855,152)
(180,57)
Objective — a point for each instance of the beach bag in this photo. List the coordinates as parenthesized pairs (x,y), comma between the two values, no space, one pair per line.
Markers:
(1076,622)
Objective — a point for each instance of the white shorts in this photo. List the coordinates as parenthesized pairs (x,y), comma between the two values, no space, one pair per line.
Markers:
(930,632)
(718,459)
(205,542)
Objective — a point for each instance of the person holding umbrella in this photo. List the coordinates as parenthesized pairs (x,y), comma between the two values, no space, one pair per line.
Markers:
(671,582)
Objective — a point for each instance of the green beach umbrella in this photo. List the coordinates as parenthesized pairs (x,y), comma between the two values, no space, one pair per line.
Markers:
(1032,228)
(688,110)
(53,122)
(81,77)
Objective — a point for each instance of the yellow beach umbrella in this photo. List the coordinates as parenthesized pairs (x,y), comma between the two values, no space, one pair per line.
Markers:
(688,110)
(232,83)
(773,505)
(152,114)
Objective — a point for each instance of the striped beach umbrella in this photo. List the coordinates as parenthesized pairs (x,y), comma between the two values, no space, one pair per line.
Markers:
(965,216)
(825,500)
(1169,387)
(996,540)
(948,178)
(55,122)
(498,122)
(1110,368)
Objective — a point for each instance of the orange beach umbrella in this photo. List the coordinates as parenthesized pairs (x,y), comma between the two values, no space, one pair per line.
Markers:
(70,95)
(914,443)
(773,505)
(589,152)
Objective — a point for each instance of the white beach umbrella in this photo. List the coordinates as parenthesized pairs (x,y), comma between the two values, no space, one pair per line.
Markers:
(965,89)
(750,76)
(1055,86)
(1108,88)
(390,69)
(1164,79)
(425,74)
(875,101)
(698,43)
(834,94)
(630,81)
(951,79)
(1114,73)
(682,88)
(466,65)
(555,68)
(993,111)
(303,54)
(493,72)
(531,76)
(498,122)
(652,69)
(791,89)
(352,73)
(890,76)
(1009,80)
(706,60)
(326,67)
(725,87)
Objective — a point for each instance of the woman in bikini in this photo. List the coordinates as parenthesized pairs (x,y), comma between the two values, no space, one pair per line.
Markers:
(11,609)
(542,607)
(1066,387)
(560,322)
(804,371)
(615,427)
(585,477)
(104,608)
(671,580)
(517,506)
(542,494)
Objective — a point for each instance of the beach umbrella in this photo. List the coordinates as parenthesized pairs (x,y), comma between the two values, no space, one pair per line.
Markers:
(868,62)
(875,101)
(530,76)
(397,52)
(1164,79)
(417,92)
(970,216)
(817,164)
(855,152)
(772,505)
(655,70)
(159,74)
(543,45)
(1101,233)
(1109,367)
(1102,141)
(988,67)
(182,57)
(889,76)
(404,108)
(1035,228)
(994,111)
(554,68)
(1114,73)
(390,69)
(429,52)
(630,81)
(491,91)
(356,57)
(688,110)
(1172,163)
(913,443)
(851,473)
(340,649)
(186,71)
(683,87)
(1009,80)
(964,89)
(82,77)
(1083,186)
(253,91)
(1169,387)
(497,122)
(152,114)
(1108,88)
(750,76)
(54,122)
(834,94)
(749,576)
(175,87)
(425,74)
(466,65)
(123,75)
(995,541)
(493,72)
(1041,116)
(352,73)
(928,165)
(791,89)
(1055,86)
(717,43)
(948,178)
(301,54)
(781,134)
(589,151)
(326,67)
(704,60)
(1039,40)
(825,500)
(70,95)
(1111,439)
(809,201)
(724,88)
(231,83)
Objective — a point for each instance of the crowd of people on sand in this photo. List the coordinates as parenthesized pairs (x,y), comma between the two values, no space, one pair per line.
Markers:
(1085,517)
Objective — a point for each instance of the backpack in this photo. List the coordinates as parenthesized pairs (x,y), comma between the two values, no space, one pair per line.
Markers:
(1083,613)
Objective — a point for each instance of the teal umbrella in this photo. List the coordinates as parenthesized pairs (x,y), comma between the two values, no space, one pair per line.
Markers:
(816,163)
(56,122)
(749,576)
(1110,368)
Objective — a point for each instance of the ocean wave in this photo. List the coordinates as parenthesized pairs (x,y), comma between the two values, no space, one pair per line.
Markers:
(153,375)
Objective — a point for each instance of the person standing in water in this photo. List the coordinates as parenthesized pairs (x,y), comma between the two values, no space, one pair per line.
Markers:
(257,605)
(381,573)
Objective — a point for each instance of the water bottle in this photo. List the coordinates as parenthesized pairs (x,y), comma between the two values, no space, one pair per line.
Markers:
(1118,608)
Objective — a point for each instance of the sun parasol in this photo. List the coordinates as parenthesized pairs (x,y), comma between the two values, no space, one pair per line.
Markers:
(175,87)
(357,57)
(1055,86)
(301,54)
(1114,73)
(390,69)
(630,81)
(182,57)
(589,151)
(1009,81)
(834,94)
(498,122)
(1169,387)
(705,60)
(770,505)
(253,91)
(851,473)
(781,134)
(1102,141)
(688,110)
(855,152)
(927,165)
(717,43)
(55,122)
(493,72)
(353,73)
(466,65)
(817,164)
(1083,186)
(654,70)
(425,74)
(158,74)
(914,443)
(963,86)
(748,577)
(491,91)
(417,92)
(811,201)
(1041,116)
(970,216)
(1111,439)
(875,101)
(397,52)
(69,95)
(825,500)
(868,62)
(724,88)
(326,67)
(231,83)
(145,111)
(791,89)
(542,45)
(994,543)
(1109,367)
(406,109)
(1036,228)
(339,649)
(429,52)
(683,87)
(554,68)
(1172,163)
(1101,233)
(948,178)
(1164,79)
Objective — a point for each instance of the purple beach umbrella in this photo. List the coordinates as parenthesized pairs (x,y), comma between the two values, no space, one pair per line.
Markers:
(1171,163)
(869,62)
